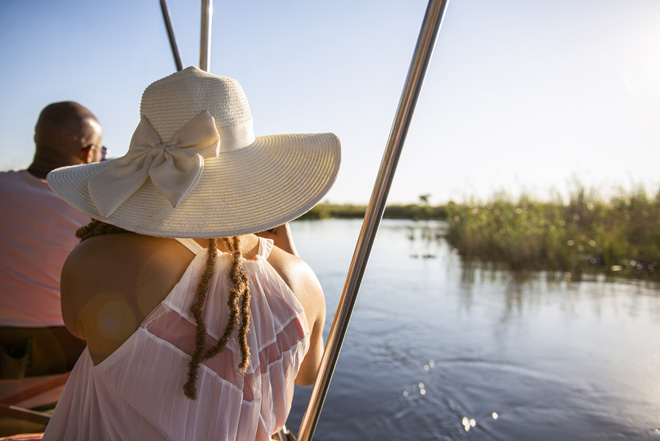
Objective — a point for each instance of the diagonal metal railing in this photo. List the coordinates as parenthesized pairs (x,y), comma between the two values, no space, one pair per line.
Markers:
(418,66)
(170,35)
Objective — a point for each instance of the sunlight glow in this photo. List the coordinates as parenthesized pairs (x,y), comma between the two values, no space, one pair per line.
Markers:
(116,321)
(641,73)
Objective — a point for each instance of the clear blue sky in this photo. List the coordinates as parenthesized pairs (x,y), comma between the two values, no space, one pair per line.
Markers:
(520,95)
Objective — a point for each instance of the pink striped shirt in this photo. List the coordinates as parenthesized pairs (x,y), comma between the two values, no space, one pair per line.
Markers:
(37,233)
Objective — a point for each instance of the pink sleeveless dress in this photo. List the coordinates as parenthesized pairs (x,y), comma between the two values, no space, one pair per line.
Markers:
(137,392)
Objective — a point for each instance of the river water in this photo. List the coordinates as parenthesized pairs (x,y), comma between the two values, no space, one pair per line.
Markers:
(438,350)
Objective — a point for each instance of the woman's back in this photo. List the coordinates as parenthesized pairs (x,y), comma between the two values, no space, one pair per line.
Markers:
(129,384)
(182,347)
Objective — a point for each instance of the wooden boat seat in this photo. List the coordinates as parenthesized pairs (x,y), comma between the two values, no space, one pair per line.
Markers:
(27,403)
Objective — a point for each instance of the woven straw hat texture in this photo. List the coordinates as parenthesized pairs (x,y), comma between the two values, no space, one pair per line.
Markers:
(247,188)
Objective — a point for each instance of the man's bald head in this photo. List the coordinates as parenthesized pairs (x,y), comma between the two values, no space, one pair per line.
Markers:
(66,133)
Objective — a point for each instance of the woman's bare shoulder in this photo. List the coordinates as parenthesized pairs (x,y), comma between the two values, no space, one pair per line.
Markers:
(126,268)
(295,272)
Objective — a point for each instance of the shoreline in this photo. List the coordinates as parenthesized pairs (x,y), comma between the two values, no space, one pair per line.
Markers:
(619,236)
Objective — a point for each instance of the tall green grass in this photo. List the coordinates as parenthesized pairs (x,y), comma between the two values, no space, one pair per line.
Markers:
(619,235)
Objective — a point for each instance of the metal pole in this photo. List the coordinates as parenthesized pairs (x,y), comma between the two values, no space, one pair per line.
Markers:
(421,57)
(205,46)
(170,34)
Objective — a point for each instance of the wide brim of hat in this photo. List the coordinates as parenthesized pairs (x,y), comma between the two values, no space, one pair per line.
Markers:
(268,183)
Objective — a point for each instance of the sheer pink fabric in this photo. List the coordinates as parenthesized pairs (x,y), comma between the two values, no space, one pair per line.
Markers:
(137,392)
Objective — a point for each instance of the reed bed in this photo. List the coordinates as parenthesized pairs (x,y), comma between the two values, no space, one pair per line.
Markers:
(620,235)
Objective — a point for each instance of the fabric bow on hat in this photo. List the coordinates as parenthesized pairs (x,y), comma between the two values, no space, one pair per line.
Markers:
(174,167)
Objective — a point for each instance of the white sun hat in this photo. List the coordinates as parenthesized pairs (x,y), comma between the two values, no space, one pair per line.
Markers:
(195,169)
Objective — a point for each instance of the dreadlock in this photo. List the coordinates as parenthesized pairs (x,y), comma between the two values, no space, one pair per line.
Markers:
(239,313)
(97,228)
(239,303)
